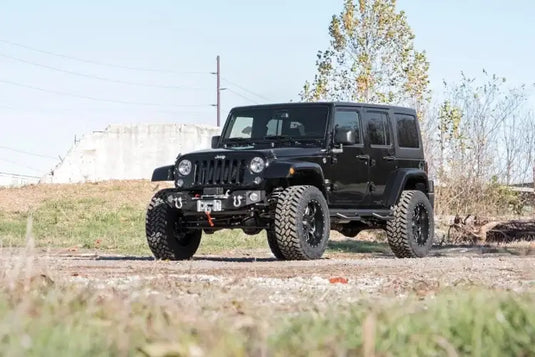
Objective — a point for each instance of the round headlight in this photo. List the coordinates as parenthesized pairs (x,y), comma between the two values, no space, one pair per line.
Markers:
(257,165)
(184,167)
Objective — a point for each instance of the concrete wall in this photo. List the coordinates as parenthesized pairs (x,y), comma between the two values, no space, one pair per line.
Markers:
(14,180)
(129,151)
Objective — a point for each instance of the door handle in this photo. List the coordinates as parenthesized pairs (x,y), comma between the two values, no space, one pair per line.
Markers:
(363,157)
(389,158)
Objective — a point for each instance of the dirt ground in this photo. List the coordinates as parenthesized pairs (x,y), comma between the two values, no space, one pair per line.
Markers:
(246,282)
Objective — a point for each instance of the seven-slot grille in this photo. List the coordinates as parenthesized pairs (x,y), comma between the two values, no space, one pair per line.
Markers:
(219,172)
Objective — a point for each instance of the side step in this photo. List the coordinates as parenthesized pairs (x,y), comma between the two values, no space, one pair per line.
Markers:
(362,214)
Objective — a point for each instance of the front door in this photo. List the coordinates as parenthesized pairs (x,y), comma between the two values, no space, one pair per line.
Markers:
(348,170)
(381,149)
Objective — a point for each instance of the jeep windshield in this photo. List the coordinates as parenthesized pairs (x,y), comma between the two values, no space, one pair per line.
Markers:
(281,126)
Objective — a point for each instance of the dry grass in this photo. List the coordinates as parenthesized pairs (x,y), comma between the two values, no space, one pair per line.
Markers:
(113,194)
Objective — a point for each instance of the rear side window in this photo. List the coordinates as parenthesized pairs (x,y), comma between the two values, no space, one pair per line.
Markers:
(348,119)
(274,127)
(407,131)
(377,128)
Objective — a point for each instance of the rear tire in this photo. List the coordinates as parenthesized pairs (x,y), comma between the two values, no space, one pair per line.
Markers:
(165,236)
(410,233)
(302,223)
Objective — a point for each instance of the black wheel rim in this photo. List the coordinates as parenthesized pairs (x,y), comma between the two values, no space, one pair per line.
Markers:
(180,234)
(313,223)
(420,224)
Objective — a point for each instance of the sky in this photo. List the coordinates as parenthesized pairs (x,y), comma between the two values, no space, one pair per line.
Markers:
(71,67)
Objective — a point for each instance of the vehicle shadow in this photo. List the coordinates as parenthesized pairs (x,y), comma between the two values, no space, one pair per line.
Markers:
(379,249)
(353,246)
(358,246)
(124,257)
(233,259)
(196,258)
(481,250)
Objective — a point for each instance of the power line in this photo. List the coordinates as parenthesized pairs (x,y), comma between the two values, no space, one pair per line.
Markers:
(27,153)
(246,90)
(20,165)
(142,69)
(98,99)
(17,175)
(240,95)
(7,107)
(34,109)
(85,75)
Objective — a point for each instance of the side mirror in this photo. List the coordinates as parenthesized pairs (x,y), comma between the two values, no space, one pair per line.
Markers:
(344,136)
(215,141)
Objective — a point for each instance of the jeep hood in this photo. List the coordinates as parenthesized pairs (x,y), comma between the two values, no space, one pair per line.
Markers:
(270,153)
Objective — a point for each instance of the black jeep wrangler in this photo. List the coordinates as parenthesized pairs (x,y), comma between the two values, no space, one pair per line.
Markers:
(299,170)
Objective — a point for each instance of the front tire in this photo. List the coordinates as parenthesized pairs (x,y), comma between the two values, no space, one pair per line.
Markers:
(165,236)
(302,223)
(410,233)
(274,245)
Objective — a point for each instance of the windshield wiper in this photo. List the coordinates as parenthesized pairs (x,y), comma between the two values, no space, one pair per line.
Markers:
(232,141)
(310,140)
(295,141)
(280,138)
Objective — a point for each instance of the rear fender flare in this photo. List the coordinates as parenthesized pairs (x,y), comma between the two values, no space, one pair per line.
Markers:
(397,183)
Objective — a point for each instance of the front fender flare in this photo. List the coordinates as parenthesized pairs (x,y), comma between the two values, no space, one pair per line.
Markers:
(307,172)
(164,173)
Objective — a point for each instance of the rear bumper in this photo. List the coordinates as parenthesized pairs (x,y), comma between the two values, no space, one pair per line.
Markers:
(431,193)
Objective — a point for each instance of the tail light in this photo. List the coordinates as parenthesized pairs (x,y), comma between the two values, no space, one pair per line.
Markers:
(424,166)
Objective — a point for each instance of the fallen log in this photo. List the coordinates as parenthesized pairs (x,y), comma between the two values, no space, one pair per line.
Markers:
(472,229)
(511,231)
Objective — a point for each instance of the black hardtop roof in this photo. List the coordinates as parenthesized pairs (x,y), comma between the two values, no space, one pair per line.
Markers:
(336,104)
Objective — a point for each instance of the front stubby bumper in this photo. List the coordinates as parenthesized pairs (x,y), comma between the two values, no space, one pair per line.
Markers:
(229,202)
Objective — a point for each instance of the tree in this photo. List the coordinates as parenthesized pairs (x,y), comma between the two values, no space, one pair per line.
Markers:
(480,138)
(371,58)
(487,105)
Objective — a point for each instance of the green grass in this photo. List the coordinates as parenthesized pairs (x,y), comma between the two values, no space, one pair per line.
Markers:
(356,246)
(90,223)
(228,240)
(84,222)
(53,321)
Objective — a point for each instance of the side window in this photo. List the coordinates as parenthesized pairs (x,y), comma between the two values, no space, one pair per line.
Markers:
(348,119)
(274,127)
(241,127)
(377,128)
(407,131)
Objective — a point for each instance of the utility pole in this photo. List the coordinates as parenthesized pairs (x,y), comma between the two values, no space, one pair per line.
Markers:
(218,105)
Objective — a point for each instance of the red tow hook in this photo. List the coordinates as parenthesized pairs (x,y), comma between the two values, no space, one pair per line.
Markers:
(209,217)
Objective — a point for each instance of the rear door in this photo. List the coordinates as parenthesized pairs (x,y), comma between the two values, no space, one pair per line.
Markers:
(379,145)
(349,169)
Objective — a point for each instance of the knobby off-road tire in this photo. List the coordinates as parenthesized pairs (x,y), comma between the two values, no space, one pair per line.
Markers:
(302,223)
(166,239)
(410,233)
(274,245)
